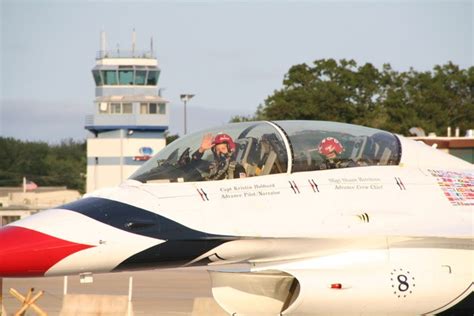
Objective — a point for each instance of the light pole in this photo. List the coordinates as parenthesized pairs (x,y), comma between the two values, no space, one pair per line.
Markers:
(185,98)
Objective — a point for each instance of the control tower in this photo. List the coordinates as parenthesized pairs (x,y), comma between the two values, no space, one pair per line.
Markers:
(129,117)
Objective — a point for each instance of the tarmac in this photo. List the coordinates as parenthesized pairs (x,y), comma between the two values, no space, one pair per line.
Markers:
(168,292)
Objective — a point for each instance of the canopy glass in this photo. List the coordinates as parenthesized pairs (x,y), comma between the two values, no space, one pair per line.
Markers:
(262,148)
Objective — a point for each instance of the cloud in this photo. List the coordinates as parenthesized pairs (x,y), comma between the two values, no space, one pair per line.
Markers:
(54,121)
(46,121)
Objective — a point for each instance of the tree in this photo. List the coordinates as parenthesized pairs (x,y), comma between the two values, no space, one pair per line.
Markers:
(242,118)
(46,165)
(396,101)
(431,100)
(171,138)
(328,91)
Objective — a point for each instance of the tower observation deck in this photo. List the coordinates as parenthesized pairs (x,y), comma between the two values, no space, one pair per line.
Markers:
(129,117)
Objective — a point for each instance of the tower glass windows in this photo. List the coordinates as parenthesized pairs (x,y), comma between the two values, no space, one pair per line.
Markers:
(152,77)
(115,108)
(140,76)
(128,75)
(110,77)
(97,78)
(127,108)
(162,108)
(152,108)
(125,76)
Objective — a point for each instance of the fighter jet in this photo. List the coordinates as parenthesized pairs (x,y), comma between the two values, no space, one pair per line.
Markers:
(326,218)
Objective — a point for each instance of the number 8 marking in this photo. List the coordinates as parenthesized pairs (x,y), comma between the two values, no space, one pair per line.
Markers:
(403,286)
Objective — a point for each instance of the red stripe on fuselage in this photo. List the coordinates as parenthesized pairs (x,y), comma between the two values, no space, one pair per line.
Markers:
(25,252)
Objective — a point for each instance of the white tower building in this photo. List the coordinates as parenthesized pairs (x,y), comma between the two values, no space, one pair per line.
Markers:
(130,116)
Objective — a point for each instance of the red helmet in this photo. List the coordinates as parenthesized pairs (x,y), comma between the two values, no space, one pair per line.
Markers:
(224,138)
(330,145)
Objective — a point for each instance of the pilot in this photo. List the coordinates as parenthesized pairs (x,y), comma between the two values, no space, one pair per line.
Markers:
(331,149)
(224,165)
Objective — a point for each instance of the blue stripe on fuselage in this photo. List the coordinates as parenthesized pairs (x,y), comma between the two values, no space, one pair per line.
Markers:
(137,220)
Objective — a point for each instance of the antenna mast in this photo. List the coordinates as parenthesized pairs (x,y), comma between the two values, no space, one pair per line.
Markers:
(134,39)
(151,45)
(103,44)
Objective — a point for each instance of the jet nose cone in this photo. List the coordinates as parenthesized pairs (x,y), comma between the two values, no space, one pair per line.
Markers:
(25,252)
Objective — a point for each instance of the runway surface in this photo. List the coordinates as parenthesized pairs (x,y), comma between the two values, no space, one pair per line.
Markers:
(159,292)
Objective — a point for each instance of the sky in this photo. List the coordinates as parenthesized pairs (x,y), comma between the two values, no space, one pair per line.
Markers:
(230,54)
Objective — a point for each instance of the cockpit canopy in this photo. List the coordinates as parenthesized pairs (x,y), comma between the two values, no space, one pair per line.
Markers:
(263,148)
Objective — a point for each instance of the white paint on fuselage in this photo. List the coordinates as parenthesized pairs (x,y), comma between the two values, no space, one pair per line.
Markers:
(269,207)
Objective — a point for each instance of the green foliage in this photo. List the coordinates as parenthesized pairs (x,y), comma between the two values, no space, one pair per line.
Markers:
(171,138)
(395,101)
(241,118)
(46,165)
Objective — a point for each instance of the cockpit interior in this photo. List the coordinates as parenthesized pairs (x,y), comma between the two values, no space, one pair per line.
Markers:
(263,148)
